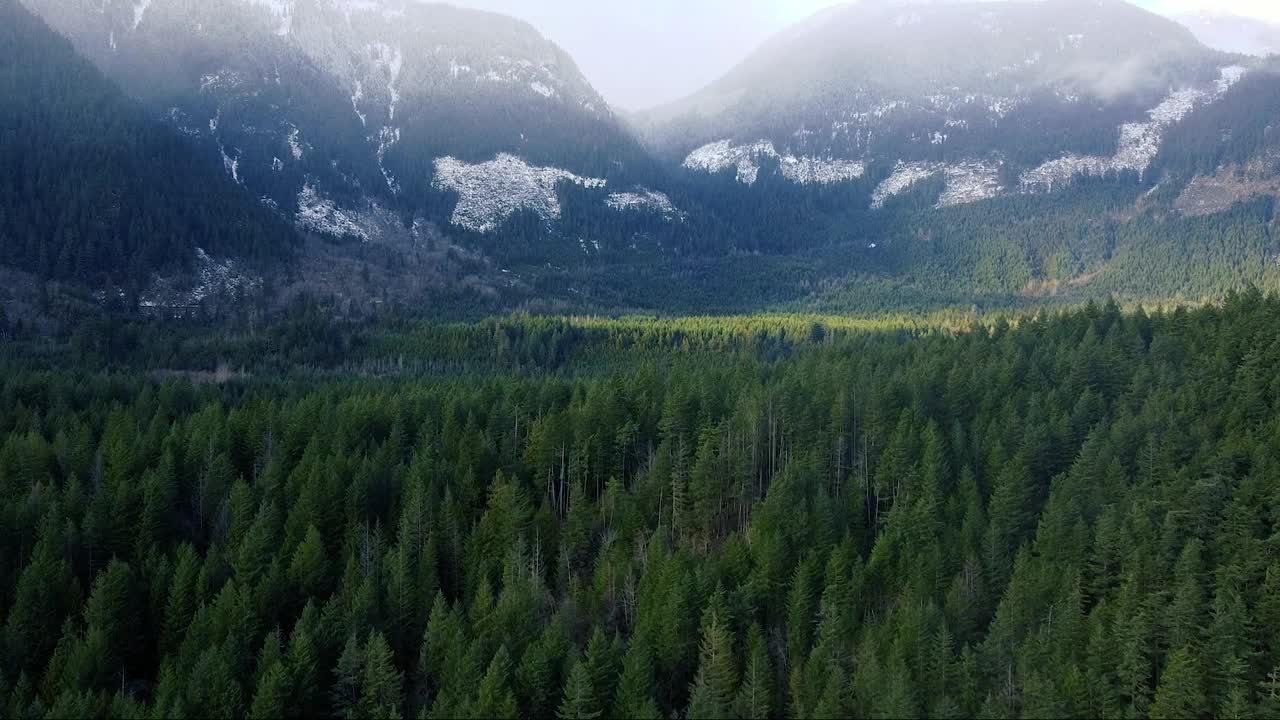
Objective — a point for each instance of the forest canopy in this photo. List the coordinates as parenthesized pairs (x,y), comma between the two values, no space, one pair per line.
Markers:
(1072,515)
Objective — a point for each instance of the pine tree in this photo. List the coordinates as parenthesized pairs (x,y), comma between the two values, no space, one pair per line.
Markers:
(212,686)
(381,685)
(603,661)
(635,696)
(534,678)
(494,698)
(1011,514)
(271,699)
(307,570)
(345,694)
(579,702)
(1180,694)
(46,593)
(801,606)
(835,699)
(182,600)
(757,678)
(110,612)
(302,663)
(715,687)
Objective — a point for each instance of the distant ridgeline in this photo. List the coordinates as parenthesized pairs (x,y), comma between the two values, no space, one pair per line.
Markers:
(402,152)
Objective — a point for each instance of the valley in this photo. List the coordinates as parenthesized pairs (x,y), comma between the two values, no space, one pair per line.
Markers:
(359,360)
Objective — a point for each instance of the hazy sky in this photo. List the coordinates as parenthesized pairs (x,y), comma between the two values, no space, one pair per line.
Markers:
(642,53)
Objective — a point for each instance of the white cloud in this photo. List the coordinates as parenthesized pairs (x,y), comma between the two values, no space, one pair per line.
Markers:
(642,53)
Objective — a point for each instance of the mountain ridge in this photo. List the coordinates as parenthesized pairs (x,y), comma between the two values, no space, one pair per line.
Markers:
(485,160)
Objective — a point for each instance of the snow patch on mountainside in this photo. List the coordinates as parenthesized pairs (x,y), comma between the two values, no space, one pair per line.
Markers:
(230,164)
(491,192)
(746,159)
(821,171)
(357,94)
(390,61)
(904,176)
(539,78)
(139,10)
(721,155)
(319,214)
(295,148)
(1139,143)
(387,138)
(965,182)
(1229,76)
(969,182)
(223,81)
(644,200)
(213,278)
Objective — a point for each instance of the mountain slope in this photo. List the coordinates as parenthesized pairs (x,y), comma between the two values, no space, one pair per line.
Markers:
(365,118)
(1233,33)
(94,188)
(976,92)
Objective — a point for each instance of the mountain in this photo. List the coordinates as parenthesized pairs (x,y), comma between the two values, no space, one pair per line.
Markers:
(378,119)
(993,97)
(989,152)
(95,189)
(1233,33)
(881,154)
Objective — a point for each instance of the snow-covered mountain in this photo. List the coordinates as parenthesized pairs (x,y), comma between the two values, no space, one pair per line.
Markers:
(469,144)
(988,98)
(361,117)
(1233,33)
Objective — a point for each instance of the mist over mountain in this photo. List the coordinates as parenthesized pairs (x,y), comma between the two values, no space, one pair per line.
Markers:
(366,119)
(98,189)
(1233,33)
(994,82)
(456,147)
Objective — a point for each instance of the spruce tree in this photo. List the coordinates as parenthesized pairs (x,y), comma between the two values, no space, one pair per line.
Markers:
(495,699)
(1180,693)
(635,686)
(579,702)
(381,684)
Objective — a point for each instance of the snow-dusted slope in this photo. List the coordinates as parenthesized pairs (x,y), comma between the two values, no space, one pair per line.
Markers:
(645,200)
(746,159)
(932,85)
(358,97)
(964,182)
(491,192)
(1139,142)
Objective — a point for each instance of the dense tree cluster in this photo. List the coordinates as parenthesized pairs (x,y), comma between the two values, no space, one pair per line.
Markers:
(1069,516)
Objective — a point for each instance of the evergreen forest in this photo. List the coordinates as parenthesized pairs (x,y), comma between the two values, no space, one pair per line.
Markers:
(1072,513)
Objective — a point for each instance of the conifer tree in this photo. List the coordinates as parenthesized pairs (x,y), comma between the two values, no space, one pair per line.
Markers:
(753,700)
(1180,693)
(635,695)
(381,684)
(495,698)
(715,687)
(579,702)
(346,692)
